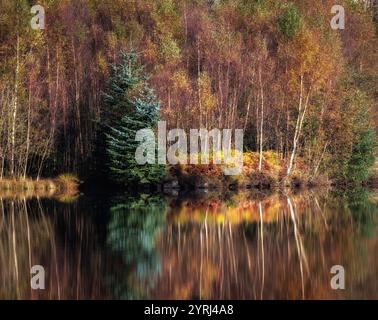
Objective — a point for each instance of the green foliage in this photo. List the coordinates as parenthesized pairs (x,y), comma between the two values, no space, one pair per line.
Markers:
(132,231)
(124,84)
(253,6)
(169,50)
(217,47)
(354,144)
(121,144)
(165,7)
(289,21)
(255,11)
(362,210)
(129,92)
(363,157)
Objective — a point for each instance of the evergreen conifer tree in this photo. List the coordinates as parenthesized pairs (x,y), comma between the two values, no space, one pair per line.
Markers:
(133,107)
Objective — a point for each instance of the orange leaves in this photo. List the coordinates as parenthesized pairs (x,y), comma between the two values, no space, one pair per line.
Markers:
(312,56)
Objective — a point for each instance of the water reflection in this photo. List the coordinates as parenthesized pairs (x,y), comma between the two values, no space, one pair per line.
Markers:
(243,246)
(134,225)
(61,238)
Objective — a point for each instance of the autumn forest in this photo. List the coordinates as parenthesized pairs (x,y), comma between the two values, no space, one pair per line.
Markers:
(304,94)
(82,218)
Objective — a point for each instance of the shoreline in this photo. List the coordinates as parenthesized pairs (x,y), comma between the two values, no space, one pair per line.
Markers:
(67,187)
(64,188)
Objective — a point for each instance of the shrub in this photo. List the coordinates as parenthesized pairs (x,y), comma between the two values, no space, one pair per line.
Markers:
(289,21)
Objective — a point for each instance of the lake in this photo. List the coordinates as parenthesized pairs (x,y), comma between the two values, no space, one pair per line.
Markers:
(246,245)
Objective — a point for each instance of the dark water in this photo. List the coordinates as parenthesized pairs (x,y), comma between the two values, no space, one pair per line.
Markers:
(243,246)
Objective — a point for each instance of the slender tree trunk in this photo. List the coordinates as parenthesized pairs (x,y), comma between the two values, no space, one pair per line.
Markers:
(5,101)
(220,98)
(28,132)
(317,166)
(198,80)
(261,122)
(247,115)
(298,127)
(77,99)
(15,108)
(47,146)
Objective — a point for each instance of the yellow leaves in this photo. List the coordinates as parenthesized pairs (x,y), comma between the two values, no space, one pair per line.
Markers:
(166,7)
(302,53)
(111,39)
(272,163)
(180,81)
(207,99)
(150,51)
(170,51)
(134,31)
(102,63)
(245,210)
(307,52)
(167,28)
(311,56)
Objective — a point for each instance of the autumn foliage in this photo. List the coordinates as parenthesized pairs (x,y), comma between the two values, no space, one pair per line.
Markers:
(273,68)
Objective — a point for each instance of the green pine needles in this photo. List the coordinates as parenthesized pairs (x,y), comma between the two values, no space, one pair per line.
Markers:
(134,107)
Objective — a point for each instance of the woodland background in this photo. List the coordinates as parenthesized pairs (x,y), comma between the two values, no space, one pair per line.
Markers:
(273,68)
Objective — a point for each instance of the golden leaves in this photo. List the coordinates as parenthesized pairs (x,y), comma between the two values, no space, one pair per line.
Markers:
(208,100)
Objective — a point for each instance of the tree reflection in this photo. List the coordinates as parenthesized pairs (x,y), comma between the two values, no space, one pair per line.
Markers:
(62,238)
(362,210)
(243,246)
(134,224)
(275,247)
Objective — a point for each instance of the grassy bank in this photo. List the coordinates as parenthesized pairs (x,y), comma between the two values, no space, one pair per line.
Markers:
(64,188)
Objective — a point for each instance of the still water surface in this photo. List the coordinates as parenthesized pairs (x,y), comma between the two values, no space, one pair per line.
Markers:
(243,246)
